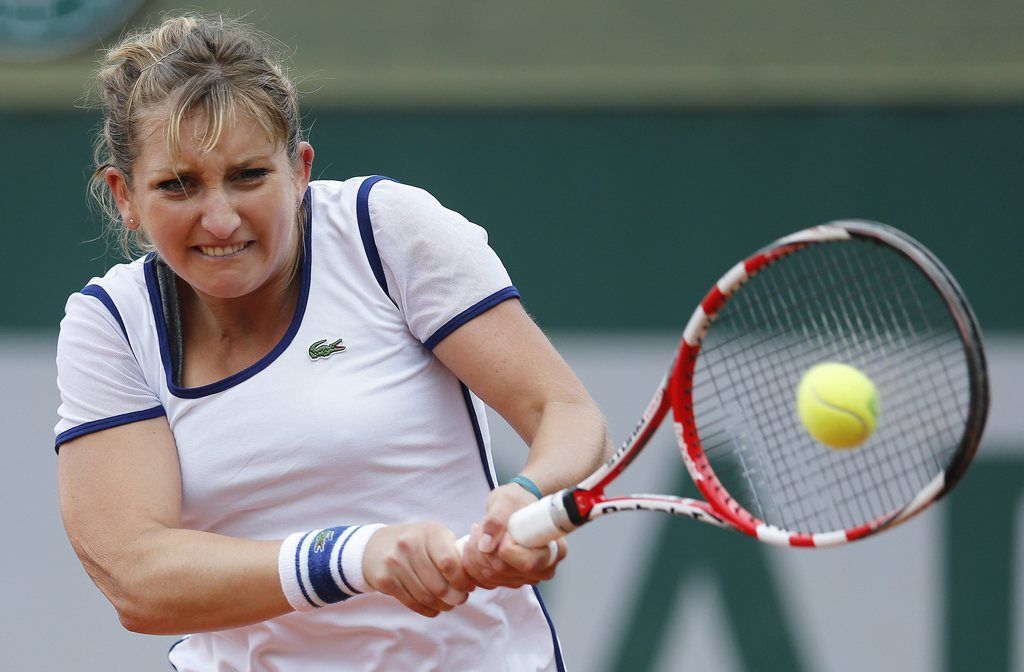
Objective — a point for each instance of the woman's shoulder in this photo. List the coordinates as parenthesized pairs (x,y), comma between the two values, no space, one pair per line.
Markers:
(122,291)
(385,210)
(378,190)
(128,277)
(336,190)
(377,205)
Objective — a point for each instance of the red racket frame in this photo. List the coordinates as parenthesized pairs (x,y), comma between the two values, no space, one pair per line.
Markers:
(573,507)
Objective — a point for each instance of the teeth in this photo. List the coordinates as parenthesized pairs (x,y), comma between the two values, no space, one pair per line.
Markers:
(221,251)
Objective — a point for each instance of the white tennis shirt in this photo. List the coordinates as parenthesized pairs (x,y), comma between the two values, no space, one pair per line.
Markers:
(379,431)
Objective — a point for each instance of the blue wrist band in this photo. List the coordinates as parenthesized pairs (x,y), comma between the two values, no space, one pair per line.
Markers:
(321,567)
(528,485)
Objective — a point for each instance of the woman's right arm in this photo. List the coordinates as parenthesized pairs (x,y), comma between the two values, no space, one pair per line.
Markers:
(120,498)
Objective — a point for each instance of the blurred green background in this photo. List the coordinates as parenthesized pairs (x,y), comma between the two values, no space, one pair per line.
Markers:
(621,155)
(606,205)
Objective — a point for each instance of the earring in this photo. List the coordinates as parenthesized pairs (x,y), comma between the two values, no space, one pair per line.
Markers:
(131,222)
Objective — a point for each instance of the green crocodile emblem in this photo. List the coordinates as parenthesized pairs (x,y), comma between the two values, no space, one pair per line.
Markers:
(322,349)
(320,540)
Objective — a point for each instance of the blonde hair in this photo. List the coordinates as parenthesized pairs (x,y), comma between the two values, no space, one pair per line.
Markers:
(217,67)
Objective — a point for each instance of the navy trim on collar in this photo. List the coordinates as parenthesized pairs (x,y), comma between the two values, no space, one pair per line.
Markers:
(268,359)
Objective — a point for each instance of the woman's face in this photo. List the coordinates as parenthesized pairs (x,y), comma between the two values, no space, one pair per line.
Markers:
(224,220)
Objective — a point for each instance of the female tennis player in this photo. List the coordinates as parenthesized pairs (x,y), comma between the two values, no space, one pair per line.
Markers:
(272,424)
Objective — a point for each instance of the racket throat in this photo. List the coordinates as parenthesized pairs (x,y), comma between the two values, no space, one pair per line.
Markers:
(578,503)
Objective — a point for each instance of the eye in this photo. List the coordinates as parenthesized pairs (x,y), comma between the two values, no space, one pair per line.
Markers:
(253,174)
(177,185)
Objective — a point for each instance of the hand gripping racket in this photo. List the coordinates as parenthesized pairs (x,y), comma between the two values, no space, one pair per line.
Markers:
(855,292)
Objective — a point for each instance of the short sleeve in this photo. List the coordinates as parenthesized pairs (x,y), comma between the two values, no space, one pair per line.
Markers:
(101,384)
(438,267)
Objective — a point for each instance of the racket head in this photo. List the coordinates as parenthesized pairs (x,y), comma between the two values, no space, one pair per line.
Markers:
(856,292)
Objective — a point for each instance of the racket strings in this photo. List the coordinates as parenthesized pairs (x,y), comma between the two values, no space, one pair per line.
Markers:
(944,370)
(938,382)
(854,302)
(880,314)
(812,330)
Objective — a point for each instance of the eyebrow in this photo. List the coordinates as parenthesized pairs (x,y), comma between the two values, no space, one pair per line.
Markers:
(185,168)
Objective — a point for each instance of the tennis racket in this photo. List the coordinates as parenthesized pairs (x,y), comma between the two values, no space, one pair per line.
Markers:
(855,292)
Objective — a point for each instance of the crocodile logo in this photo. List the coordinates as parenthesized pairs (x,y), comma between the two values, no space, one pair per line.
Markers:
(320,541)
(322,349)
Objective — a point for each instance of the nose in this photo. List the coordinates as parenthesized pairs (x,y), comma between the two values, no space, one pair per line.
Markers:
(219,216)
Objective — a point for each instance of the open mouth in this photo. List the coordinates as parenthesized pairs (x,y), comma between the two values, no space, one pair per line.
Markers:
(222,250)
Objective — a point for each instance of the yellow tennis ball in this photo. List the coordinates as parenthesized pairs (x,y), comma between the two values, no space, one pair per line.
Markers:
(837,404)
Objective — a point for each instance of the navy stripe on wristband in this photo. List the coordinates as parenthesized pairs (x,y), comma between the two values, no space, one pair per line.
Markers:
(318,559)
(352,590)
(324,566)
(528,485)
(298,570)
(318,553)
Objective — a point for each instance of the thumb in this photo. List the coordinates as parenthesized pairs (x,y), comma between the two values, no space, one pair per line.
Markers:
(500,505)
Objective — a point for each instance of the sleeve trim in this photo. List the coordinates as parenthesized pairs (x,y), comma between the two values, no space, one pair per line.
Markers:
(468,314)
(366,231)
(107,423)
(98,292)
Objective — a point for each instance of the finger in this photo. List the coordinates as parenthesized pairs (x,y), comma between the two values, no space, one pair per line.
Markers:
(530,564)
(500,506)
(391,585)
(491,532)
(438,550)
(561,550)
(406,564)
(504,574)
(506,557)
(425,599)
(447,560)
(474,563)
(522,559)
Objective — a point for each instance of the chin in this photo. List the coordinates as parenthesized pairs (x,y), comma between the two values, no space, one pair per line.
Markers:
(224,289)
(231,292)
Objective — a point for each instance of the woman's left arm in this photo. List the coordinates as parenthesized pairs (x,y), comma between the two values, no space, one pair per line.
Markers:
(509,363)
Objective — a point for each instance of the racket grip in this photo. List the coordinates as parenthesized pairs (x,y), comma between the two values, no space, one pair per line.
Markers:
(537,524)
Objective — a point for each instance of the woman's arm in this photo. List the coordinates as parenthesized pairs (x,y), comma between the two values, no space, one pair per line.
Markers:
(508,362)
(120,495)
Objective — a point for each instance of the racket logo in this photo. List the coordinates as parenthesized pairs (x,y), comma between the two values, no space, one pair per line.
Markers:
(645,420)
(322,349)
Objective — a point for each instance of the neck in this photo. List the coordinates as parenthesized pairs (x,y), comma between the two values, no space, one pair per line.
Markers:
(262,315)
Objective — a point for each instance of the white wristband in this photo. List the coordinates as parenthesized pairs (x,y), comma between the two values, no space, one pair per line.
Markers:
(352,559)
(321,567)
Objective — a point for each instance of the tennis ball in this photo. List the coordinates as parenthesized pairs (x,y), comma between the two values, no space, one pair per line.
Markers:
(837,404)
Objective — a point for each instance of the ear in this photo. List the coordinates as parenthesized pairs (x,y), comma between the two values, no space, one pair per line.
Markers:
(122,193)
(303,169)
